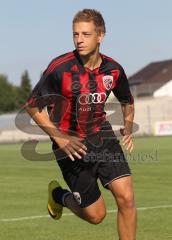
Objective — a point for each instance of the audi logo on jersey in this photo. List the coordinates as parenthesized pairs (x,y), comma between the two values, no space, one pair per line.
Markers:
(92,98)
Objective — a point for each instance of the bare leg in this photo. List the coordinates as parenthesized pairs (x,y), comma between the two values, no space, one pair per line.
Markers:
(94,213)
(127,215)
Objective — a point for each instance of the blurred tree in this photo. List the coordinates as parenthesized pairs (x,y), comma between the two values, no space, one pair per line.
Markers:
(24,89)
(12,97)
(7,95)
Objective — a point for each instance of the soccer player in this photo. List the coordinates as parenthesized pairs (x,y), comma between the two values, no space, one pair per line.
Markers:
(74,88)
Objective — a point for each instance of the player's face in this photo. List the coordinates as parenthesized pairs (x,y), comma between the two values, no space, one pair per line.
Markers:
(85,37)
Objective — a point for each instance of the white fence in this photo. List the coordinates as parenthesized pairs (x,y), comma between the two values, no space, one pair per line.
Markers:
(148,111)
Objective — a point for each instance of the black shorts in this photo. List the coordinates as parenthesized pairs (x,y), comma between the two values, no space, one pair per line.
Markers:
(104,161)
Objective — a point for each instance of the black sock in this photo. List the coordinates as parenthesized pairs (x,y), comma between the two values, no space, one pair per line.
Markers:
(59,194)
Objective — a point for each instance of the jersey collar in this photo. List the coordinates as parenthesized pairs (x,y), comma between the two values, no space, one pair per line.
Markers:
(85,69)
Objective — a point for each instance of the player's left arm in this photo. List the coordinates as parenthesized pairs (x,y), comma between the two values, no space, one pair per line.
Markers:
(124,96)
(128,115)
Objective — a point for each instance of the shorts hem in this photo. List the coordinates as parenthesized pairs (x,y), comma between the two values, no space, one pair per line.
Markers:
(124,175)
(89,204)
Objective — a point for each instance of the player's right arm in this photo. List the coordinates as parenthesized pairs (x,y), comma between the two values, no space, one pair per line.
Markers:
(35,106)
(71,145)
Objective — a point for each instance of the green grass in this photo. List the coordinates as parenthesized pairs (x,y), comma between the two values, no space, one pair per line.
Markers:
(23,192)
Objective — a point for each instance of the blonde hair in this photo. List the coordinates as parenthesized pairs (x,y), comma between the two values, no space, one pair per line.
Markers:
(88,15)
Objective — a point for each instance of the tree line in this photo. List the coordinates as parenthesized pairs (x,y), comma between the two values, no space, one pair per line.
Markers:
(12,97)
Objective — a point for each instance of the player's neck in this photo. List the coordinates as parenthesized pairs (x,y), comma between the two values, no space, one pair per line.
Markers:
(92,60)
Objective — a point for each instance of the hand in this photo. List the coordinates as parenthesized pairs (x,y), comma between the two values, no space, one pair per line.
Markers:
(127,140)
(71,145)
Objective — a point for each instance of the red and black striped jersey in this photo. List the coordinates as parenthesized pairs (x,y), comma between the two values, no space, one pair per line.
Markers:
(75,96)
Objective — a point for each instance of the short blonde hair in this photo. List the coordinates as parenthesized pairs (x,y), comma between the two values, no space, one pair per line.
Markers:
(88,15)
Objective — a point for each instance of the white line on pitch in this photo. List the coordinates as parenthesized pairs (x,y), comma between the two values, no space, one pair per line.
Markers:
(71,214)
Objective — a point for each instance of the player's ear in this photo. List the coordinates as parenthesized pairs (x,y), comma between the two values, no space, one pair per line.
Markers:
(100,37)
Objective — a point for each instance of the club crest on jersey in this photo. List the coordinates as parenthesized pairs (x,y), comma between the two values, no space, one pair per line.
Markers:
(107,81)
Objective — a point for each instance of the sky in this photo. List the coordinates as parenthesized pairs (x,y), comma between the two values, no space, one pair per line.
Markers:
(34,32)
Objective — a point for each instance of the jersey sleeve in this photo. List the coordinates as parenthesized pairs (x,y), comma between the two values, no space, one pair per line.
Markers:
(44,91)
(122,90)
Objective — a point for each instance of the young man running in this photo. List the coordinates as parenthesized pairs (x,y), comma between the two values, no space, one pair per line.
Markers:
(75,87)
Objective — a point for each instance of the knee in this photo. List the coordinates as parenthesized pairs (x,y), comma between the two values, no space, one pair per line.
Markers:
(126,200)
(97,218)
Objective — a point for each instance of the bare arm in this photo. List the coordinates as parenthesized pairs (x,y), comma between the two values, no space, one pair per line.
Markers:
(128,115)
(70,144)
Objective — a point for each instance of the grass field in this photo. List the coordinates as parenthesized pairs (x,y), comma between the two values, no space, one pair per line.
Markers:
(23,193)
